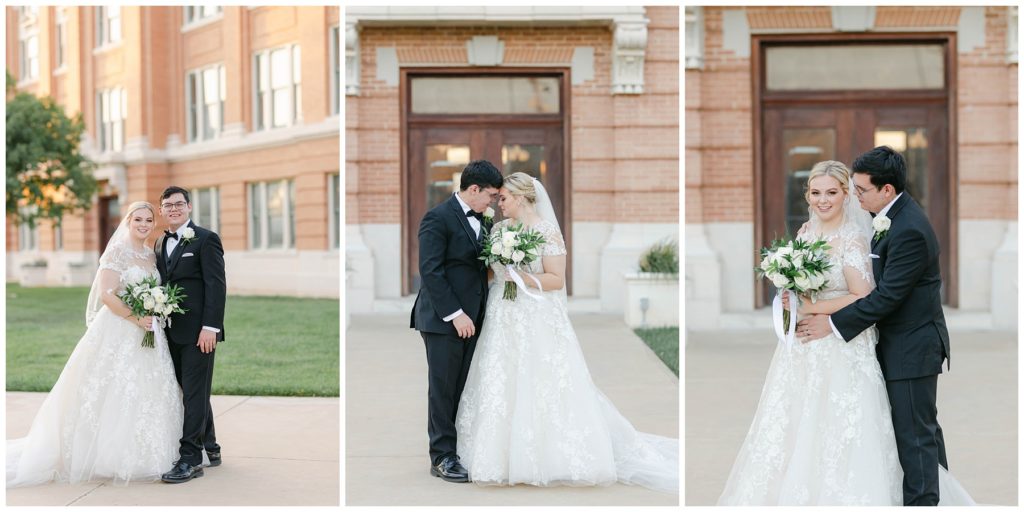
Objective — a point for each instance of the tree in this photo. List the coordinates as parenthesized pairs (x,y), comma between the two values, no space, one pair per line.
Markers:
(47,176)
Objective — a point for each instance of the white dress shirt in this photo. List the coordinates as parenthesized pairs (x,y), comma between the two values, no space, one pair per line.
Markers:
(883,211)
(169,248)
(475,224)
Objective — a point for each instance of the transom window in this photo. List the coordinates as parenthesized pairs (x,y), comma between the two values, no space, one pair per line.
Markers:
(859,66)
(485,95)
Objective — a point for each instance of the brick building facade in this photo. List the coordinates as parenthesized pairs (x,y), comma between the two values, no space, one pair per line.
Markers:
(937,83)
(586,98)
(238,104)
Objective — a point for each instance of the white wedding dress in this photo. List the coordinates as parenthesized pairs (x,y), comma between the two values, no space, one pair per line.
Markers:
(115,412)
(530,413)
(822,433)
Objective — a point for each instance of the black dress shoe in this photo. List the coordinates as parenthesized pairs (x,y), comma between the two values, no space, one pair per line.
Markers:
(450,470)
(182,472)
(214,458)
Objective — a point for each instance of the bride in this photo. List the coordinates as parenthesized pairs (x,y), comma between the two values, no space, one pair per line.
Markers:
(530,413)
(822,433)
(115,411)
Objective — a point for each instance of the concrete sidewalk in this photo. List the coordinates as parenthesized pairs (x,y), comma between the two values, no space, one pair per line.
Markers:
(977,403)
(277,451)
(386,415)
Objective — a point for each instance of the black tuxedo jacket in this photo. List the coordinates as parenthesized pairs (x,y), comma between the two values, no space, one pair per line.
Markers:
(452,276)
(906,304)
(198,268)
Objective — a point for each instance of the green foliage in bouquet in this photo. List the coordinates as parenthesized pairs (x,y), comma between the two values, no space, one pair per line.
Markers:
(148,298)
(799,266)
(514,245)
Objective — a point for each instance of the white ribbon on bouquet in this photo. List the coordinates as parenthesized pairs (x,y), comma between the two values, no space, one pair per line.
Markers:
(516,278)
(786,337)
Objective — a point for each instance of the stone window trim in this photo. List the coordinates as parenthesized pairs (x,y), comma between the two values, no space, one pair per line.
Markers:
(694,37)
(628,25)
(1011,35)
(60,41)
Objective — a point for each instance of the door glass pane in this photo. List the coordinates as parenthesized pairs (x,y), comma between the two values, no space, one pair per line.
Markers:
(444,167)
(528,158)
(802,148)
(485,95)
(908,66)
(912,143)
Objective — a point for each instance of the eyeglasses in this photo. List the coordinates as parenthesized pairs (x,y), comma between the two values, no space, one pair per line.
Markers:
(174,206)
(861,191)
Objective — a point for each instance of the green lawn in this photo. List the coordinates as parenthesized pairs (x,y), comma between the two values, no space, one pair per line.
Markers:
(664,341)
(275,345)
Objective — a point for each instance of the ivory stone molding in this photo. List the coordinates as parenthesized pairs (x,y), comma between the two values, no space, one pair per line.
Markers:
(628,25)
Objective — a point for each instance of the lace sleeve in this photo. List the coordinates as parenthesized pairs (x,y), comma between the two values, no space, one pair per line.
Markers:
(553,245)
(855,255)
(114,259)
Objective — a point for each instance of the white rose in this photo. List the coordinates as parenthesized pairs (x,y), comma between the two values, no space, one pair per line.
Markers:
(489,213)
(778,279)
(784,262)
(160,299)
(148,303)
(188,233)
(817,279)
(798,260)
(507,253)
(166,309)
(881,223)
(158,293)
(497,248)
(802,281)
(765,263)
(518,256)
(784,250)
(508,238)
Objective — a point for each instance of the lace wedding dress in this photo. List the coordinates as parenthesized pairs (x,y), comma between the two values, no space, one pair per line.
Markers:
(115,411)
(530,412)
(822,433)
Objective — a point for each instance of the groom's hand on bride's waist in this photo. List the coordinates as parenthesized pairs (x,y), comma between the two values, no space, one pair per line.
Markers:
(813,327)
(464,326)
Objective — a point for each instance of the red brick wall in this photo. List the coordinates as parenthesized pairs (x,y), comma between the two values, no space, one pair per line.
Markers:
(625,148)
(719,175)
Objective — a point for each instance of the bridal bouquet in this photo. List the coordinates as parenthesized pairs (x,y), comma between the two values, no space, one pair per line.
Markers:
(797,266)
(147,298)
(512,246)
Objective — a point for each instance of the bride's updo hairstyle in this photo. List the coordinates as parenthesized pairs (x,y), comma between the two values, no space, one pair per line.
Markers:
(521,184)
(138,205)
(831,168)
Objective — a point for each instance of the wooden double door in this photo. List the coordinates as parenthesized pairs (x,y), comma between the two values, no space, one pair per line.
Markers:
(795,137)
(438,152)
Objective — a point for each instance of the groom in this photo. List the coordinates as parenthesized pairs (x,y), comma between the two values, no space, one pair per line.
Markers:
(192,257)
(907,309)
(449,308)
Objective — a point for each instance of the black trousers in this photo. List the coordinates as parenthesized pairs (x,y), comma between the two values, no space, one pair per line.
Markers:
(194,371)
(448,359)
(918,438)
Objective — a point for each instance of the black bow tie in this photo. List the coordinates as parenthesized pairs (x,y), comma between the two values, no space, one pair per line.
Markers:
(171,234)
(479,216)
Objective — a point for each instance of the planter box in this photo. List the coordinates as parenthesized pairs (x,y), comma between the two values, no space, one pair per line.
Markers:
(77,275)
(661,292)
(33,277)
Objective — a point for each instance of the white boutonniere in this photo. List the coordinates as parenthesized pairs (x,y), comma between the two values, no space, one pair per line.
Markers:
(187,236)
(881,224)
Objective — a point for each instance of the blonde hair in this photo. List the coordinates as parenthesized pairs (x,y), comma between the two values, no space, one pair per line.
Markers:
(138,205)
(831,168)
(521,184)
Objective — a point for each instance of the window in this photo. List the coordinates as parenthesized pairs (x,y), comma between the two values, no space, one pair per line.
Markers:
(206,207)
(61,37)
(1011,35)
(278,80)
(486,95)
(272,215)
(58,237)
(334,210)
(28,237)
(335,50)
(112,107)
(195,13)
(28,48)
(205,92)
(108,25)
(694,37)
(863,66)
